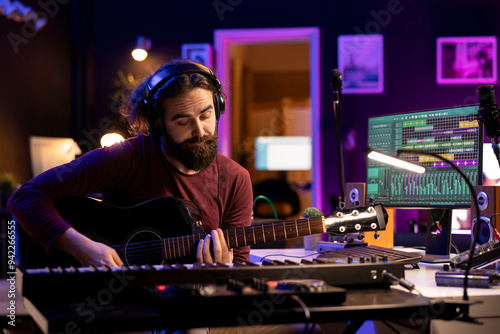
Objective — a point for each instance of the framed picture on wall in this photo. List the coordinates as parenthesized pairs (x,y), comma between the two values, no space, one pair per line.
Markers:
(200,53)
(361,63)
(466,60)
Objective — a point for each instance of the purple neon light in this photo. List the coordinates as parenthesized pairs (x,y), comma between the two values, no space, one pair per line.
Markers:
(466,60)
(224,38)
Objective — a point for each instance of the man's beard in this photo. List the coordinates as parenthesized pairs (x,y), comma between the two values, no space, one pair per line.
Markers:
(194,157)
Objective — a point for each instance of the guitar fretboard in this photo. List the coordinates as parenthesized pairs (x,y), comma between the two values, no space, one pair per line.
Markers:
(245,236)
(341,222)
(253,235)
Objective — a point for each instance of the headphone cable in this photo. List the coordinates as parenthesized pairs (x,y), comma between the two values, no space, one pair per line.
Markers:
(218,190)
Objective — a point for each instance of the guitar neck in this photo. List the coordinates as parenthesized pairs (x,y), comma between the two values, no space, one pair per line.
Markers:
(259,234)
(246,236)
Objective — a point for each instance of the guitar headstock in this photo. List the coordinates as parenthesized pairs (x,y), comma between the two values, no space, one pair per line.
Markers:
(361,219)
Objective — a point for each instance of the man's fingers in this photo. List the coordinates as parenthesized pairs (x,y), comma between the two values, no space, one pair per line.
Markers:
(116,260)
(217,246)
(226,253)
(230,256)
(207,257)
(221,252)
(199,252)
(222,240)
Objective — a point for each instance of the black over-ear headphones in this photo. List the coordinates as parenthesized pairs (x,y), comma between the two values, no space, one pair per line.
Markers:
(155,122)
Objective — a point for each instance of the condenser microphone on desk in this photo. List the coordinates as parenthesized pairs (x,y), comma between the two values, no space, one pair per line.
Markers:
(490,116)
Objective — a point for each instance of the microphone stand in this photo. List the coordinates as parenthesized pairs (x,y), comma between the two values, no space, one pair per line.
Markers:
(336,112)
(489,115)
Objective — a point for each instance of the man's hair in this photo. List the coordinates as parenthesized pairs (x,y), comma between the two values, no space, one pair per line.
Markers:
(137,113)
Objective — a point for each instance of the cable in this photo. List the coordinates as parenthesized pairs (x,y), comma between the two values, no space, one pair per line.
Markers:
(438,221)
(270,203)
(438,226)
(305,309)
(495,231)
(401,281)
(474,197)
(454,245)
(218,189)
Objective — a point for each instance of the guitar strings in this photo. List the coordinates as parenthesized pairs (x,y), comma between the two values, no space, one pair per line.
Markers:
(182,245)
(196,238)
(179,247)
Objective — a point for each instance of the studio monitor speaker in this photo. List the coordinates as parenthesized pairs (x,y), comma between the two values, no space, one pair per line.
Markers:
(355,196)
(488,200)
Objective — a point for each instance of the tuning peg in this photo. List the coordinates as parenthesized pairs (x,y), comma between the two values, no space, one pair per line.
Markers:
(361,236)
(355,204)
(372,200)
(341,205)
(376,236)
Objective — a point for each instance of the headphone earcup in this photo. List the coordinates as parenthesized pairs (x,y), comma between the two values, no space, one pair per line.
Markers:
(219,104)
(155,123)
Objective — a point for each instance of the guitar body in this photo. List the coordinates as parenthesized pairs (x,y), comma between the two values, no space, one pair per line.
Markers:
(126,229)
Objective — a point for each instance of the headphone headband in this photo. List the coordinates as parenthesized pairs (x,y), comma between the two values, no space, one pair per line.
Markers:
(155,121)
(173,70)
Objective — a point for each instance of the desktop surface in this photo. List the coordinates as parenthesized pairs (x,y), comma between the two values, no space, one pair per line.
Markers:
(360,303)
(423,277)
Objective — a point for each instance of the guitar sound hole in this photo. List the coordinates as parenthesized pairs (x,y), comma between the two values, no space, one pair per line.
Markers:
(143,247)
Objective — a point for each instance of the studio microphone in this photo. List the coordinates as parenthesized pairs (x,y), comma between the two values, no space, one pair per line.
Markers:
(336,84)
(489,114)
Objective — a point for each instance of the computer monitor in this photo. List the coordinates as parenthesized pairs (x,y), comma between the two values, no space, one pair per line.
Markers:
(451,132)
(283,153)
(454,133)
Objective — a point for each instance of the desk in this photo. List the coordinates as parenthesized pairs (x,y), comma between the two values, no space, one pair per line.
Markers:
(423,277)
(487,310)
(359,305)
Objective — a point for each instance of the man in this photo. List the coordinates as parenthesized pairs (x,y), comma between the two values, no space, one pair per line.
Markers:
(174,116)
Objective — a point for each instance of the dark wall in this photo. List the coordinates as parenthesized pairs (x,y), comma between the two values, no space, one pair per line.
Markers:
(35,85)
(43,67)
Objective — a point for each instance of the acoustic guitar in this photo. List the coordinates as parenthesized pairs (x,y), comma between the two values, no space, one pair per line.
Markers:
(168,229)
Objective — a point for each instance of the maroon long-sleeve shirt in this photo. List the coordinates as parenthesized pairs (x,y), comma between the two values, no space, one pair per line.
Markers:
(129,173)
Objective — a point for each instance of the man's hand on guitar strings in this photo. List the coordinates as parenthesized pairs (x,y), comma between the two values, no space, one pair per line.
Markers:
(221,253)
(99,255)
(87,251)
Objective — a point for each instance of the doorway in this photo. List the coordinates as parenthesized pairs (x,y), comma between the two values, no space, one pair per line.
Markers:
(271,79)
